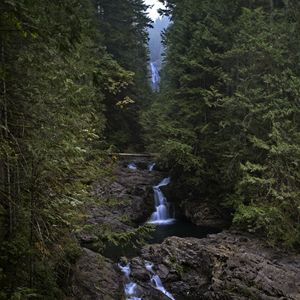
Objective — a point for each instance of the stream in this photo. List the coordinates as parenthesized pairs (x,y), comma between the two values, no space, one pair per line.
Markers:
(136,246)
(166,225)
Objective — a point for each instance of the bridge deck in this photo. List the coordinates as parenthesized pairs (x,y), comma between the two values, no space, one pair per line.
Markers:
(134,154)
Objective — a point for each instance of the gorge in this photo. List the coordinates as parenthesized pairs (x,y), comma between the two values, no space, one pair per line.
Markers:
(149,159)
(186,267)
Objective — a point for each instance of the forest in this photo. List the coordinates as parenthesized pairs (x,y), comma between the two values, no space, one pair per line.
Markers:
(76,90)
(227,119)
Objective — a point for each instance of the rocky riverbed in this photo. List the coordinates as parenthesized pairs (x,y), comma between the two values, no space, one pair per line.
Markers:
(122,202)
(226,266)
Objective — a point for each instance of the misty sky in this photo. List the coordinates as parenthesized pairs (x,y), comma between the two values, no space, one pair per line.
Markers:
(153,12)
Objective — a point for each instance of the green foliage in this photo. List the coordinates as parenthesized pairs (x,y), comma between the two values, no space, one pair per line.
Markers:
(228,115)
(108,238)
(134,238)
(124,24)
(63,85)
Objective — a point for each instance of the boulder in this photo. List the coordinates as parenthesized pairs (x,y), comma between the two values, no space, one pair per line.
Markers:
(201,213)
(95,278)
(224,266)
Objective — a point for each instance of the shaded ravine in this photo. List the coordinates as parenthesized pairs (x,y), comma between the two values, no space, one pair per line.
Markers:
(120,203)
(161,216)
(124,203)
(165,225)
(192,268)
(186,264)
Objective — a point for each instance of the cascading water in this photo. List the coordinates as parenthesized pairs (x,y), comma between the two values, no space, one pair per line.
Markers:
(125,269)
(162,207)
(130,287)
(151,167)
(155,78)
(132,166)
(156,281)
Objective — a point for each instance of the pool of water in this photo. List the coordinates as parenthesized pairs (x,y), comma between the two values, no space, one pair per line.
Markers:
(180,228)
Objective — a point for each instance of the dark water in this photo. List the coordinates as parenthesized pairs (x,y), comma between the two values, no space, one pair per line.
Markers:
(180,228)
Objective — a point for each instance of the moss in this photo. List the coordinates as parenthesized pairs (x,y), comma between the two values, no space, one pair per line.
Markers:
(72,251)
(181,269)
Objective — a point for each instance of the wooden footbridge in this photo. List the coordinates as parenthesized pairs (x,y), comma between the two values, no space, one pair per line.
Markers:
(134,155)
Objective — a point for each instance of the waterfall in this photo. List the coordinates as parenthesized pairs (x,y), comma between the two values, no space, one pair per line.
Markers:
(155,78)
(125,270)
(151,167)
(162,207)
(156,281)
(130,287)
(149,266)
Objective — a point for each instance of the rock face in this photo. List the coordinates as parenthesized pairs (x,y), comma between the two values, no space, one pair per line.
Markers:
(95,278)
(202,214)
(129,190)
(226,266)
(122,202)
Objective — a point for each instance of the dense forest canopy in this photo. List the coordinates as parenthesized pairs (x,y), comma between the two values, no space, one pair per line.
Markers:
(228,117)
(75,86)
(73,79)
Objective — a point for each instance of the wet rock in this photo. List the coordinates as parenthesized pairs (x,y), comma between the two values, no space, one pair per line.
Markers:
(121,203)
(128,194)
(85,238)
(163,271)
(201,213)
(228,265)
(95,278)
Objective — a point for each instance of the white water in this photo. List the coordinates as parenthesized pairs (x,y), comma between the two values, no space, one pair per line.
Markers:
(149,266)
(151,167)
(155,78)
(132,166)
(156,281)
(125,270)
(130,287)
(161,215)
